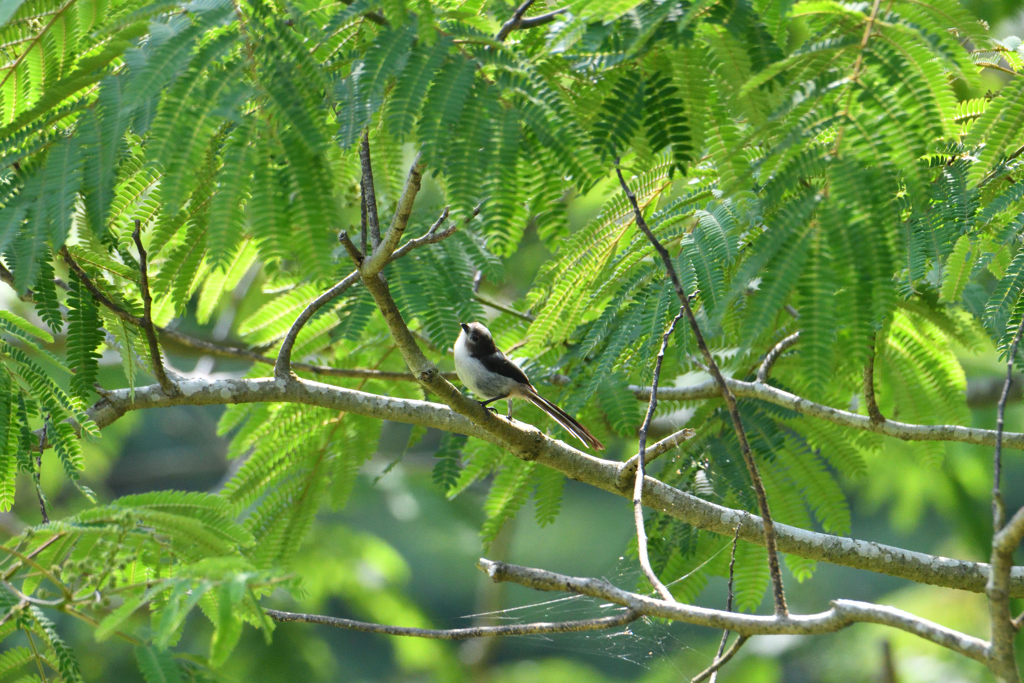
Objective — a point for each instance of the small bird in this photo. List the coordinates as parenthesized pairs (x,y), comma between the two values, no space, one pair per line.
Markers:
(488,374)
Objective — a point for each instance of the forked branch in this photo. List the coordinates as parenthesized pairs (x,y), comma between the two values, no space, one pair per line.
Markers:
(155,359)
(842,614)
(529,443)
(762,499)
(628,473)
(638,488)
(1006,538)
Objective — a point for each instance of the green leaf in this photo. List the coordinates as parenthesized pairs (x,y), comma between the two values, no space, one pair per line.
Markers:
(228,628)
(26,326)
(157,666)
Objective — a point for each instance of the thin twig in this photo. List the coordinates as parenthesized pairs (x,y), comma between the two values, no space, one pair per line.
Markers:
(718,661)
(16,566)
(638,488)
(432,236)
(537,628)
(32,601)
(282,368)
(762,499)
(43,571)
(8,277)
(15,609)
(215,349)
(993,65)
(36,476)
(381,256)
(362,227)
(369,194)
(774,355)
(858,63)
(998,506)
(352,249)
(96,292)
(514,22)
(540,19)
(35,655)
(628,471)
(874,414)
(888,665)
(490,303)
(147,320)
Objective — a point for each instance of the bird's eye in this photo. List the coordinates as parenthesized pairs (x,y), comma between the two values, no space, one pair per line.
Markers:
(475,337)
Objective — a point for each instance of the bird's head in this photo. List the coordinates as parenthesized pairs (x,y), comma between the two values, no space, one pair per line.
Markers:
(477,338)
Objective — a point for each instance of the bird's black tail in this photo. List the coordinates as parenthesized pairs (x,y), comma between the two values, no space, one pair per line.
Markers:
(565,419)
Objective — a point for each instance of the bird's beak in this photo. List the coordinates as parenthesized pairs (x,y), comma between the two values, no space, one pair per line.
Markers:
(465,327)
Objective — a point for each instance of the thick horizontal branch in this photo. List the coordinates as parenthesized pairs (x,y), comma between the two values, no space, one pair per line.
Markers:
(532,629)
(897,430)
(528,443)
(843,612)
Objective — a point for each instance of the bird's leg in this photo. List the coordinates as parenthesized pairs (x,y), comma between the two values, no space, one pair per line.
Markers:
(509,415)
(490,400)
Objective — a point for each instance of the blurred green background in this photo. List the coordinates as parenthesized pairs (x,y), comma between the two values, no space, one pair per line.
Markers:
(400,553)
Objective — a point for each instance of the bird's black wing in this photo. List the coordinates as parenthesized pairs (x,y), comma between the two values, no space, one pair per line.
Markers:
(498,364)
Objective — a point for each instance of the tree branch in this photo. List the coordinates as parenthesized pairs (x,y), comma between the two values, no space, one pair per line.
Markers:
(1004,543)
(96,292)
(214,349)
(779,397)
(514,22)
(730,401)
(282,368)
(842,614)
(431,236)
(352,249)
(1003,657)
(503,308)
(540,19)
(721,660)
(874,414)
(998,507)
(369,195)
(774,355)
(537,628)
(628,472)
(147,319)
(8,277)
(382,255)
(37,473)
(638,488)
(529,443)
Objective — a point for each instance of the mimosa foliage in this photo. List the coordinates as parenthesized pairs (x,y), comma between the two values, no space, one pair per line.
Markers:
(804,175)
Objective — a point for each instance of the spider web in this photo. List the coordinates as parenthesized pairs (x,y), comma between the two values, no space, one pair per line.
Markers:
(638,643)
